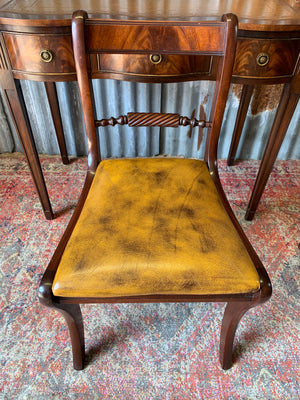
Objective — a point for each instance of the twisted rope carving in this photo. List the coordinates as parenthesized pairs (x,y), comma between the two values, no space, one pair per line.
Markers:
(154,119)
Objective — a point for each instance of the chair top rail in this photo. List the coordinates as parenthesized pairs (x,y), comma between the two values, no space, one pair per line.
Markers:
(164,37)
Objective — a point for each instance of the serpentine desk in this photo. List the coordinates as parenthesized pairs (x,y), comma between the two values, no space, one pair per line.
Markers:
(35,44)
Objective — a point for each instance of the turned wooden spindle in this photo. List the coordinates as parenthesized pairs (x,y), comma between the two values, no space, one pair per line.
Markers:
(121,120)
(154,119)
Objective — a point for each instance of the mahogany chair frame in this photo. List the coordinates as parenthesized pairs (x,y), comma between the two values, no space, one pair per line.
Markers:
(91,36)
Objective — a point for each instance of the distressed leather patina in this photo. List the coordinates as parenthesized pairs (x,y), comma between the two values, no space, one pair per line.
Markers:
(154,226)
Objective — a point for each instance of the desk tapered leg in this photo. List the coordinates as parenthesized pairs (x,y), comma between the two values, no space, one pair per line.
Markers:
(56,117)
(15,101)
(282,120)
(240,120)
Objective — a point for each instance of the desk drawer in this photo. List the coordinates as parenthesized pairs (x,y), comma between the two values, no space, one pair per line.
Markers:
(266,58)
(160,67)
(40,54)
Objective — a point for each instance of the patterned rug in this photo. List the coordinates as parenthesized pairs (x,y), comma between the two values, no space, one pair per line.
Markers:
(160,351)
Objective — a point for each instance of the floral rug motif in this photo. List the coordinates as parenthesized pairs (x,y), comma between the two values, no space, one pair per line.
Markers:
(153,351)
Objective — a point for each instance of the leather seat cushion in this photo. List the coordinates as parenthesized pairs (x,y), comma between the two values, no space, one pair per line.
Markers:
(154,226)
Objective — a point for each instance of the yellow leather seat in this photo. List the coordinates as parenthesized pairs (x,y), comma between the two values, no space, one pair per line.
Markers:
(154,226)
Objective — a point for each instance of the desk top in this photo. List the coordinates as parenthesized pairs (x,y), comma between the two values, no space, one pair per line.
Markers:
(262,15)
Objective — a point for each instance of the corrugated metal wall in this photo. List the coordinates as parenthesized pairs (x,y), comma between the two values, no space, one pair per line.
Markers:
(114,98)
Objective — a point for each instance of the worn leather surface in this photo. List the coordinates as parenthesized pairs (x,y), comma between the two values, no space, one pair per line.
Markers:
(154,226)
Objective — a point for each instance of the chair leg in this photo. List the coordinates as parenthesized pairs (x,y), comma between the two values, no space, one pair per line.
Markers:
(73,317)
(232,315)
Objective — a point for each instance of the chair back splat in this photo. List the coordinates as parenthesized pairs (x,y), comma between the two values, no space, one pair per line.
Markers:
(156,229)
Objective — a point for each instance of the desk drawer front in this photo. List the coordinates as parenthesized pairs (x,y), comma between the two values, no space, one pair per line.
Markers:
(40,54)
(266,58)
(46,55)
(137,66)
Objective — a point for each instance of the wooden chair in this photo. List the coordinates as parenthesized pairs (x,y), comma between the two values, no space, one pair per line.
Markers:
(154,229)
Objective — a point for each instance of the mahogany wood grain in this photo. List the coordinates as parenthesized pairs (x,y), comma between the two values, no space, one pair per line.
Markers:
(294,3)
(283,55)
(151,37)
(25,55)
(139,67)
(267,15)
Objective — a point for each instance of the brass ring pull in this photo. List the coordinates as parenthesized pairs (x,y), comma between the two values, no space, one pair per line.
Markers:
(262,59)
(46,55)
(156,58)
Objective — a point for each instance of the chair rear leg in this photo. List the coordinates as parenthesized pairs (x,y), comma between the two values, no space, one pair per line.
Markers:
(232,316)
(73,316)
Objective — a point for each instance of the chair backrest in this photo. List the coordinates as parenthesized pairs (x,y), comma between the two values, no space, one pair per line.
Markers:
(99,36)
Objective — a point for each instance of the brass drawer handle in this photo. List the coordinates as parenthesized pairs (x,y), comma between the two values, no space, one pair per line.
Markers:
(156,58)
(262,59)
(46,55)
